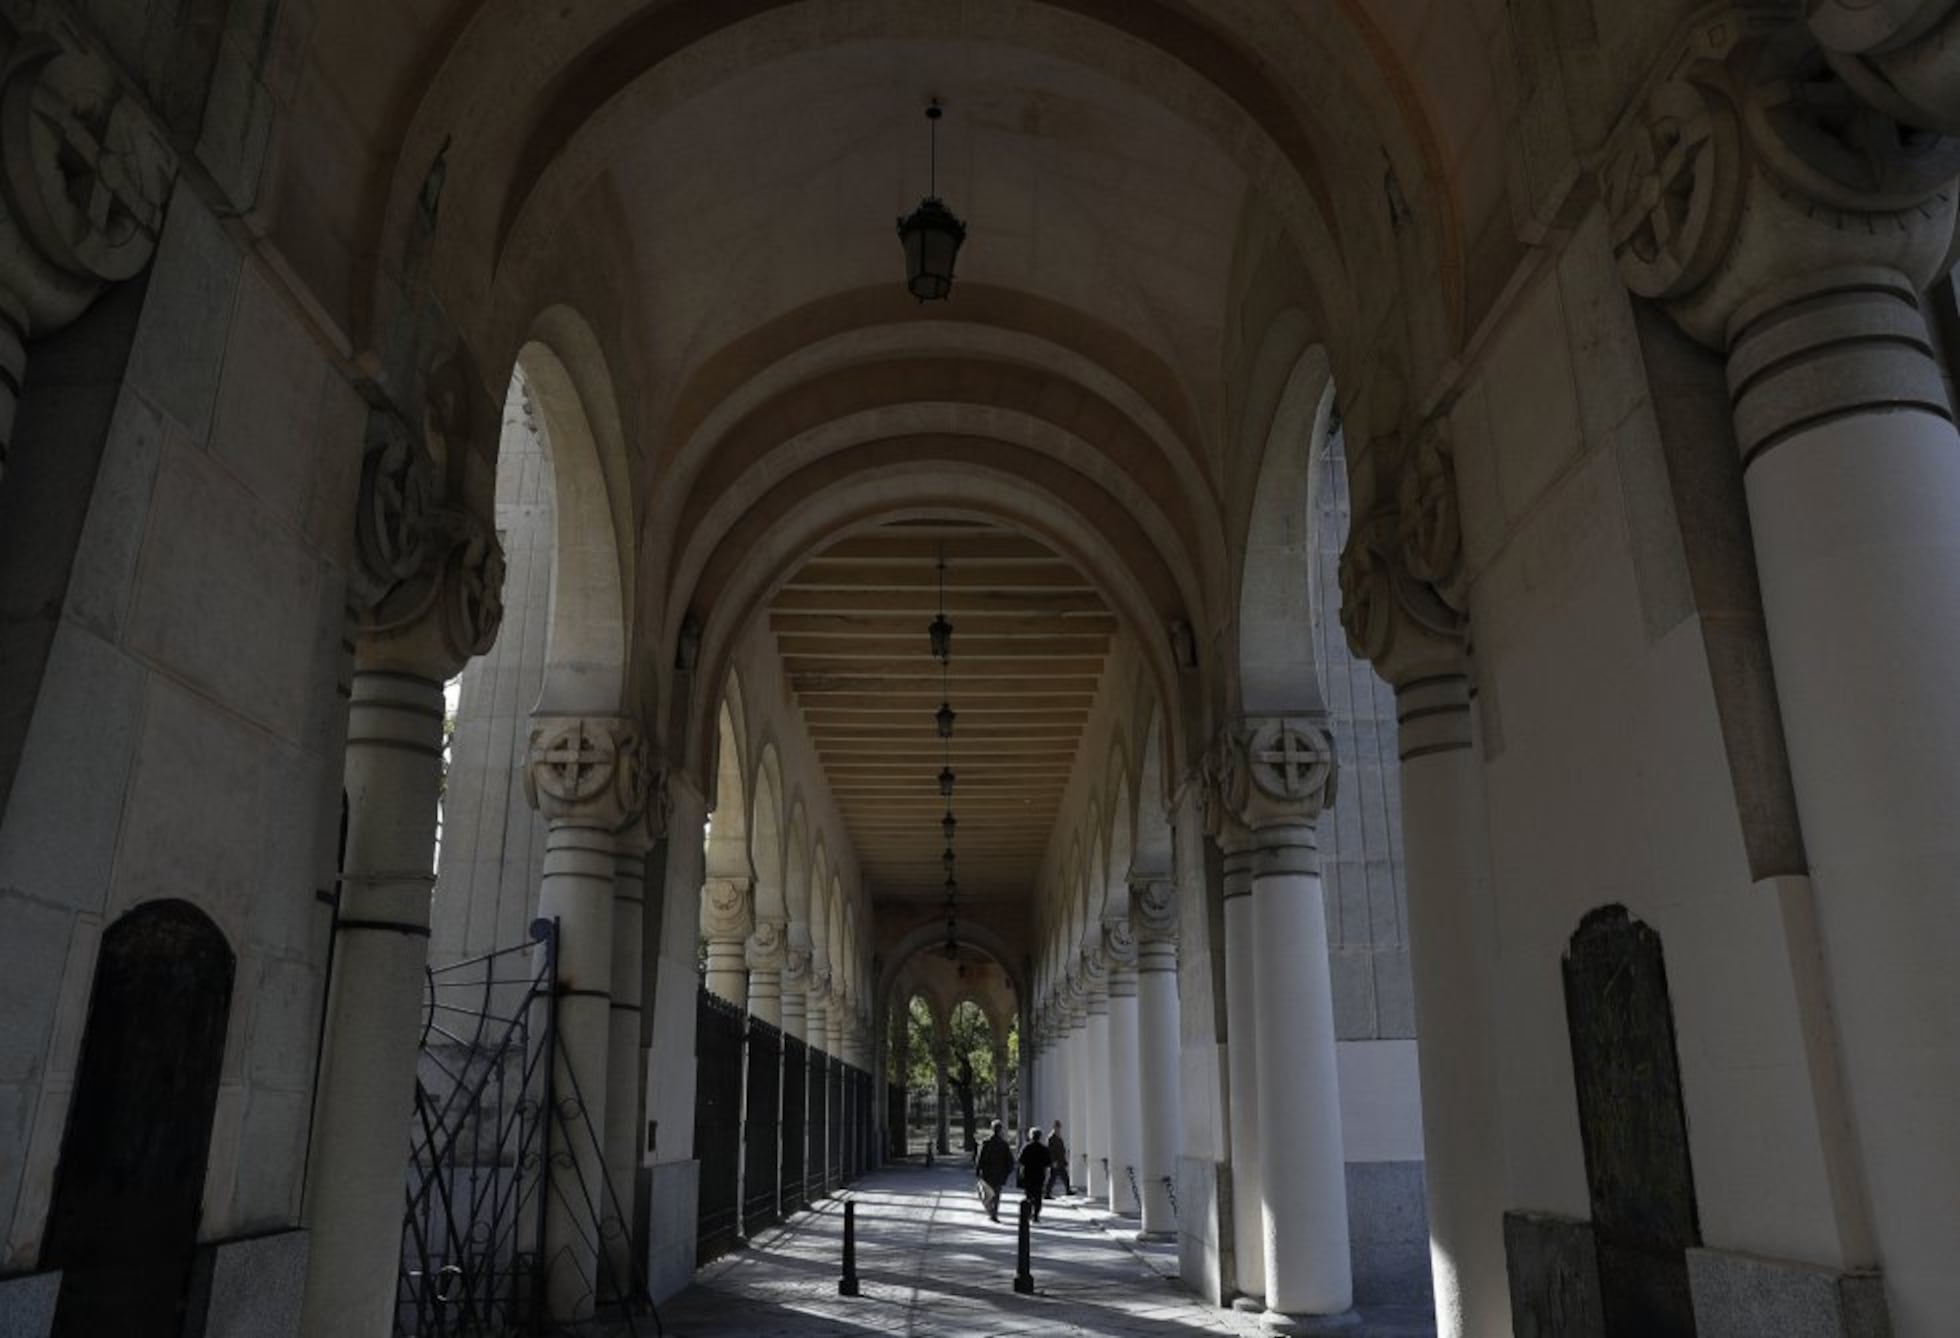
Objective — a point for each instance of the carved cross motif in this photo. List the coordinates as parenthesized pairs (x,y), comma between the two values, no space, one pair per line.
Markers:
(1288,762)
(575,763)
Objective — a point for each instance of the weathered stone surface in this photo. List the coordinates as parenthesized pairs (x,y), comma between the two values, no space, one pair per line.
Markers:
(27,1305)
(248,1288)
(1741,1296)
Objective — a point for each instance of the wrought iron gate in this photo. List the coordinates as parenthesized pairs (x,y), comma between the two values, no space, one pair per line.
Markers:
(814,1177)
(761,1169)
(796,1081)
(470,1258)
(718,1121)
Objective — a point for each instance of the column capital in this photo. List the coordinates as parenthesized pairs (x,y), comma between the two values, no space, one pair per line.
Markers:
(447,609)
(1153,910)
(1403,580)
(796,969)
(1118,949)
(1758,159)
(766,947)
(85,176)
(1273,770)
(727,908)
(588,771)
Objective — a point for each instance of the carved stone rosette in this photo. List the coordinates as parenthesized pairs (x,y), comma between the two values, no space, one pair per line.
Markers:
(1119,953)
(728,911)
(796,969)
(1760,159)
(447,612)
(587,770)
(1283,769)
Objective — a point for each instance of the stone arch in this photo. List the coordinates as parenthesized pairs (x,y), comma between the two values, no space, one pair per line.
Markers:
(796,876)
(1153,831)
(728,820)
(1122,841)
(931,935)
(586,633)
(128,1189)
(1277,668)
(767,845)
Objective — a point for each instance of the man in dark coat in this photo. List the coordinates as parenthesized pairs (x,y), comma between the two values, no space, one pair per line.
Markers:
(992,1165)
(1034,1172)
(1058,1158)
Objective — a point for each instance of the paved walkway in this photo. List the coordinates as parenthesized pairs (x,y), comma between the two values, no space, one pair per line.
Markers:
(931,1264)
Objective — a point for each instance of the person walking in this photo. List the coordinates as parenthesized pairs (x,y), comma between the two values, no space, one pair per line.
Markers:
(1058,1157)
(992,1164)
(1034,1165)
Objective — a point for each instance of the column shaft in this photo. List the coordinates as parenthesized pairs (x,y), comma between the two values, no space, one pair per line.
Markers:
(1853,482)
(1242,1075)
(1125,1096)
(625,1086)
(1303,1171)
(1102,1166)
(1452,947)
(1078,1134)
(375,999)
(1159,1089)
(577,891)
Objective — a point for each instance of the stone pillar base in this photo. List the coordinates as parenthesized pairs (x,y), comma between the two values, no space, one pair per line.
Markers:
(248,1288)
(1737,1295)
(27,1305)
(1274,1322)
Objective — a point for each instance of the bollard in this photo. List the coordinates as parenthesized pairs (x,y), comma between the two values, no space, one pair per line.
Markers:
(848,1284)
(1023,1278)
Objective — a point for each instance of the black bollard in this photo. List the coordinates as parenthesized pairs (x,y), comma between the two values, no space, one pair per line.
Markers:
(1023,1278)
(848,1284)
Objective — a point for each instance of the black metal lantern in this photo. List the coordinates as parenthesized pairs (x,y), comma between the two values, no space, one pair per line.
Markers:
(945,716)
(946,779)
(930,233)
(941,633)
(949,824)
(946,860)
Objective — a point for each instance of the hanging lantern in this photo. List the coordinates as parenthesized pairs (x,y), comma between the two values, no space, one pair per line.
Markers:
(930,233)
(949,824)
(941,633)
(945,716)
(946,860)
(946,779)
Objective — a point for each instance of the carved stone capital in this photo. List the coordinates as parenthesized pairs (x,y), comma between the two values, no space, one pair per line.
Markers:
(1276,770)
(1429,526)
(645,826)
(392,513)
(727,908)
(1754,162)
(1119,945)
(84,180)
(587,770)
(1394,619)
(448,611)
(1153,910)
(767,948)
(1902,56)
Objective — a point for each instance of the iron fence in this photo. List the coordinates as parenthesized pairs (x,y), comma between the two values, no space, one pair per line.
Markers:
(762,1124)
(718,1030)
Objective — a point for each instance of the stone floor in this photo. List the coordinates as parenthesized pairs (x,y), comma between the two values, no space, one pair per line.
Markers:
(929,1263)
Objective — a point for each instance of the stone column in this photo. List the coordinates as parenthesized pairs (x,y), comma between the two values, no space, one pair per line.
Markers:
(1241,1057)
(586,775)
(625,1077)
(1124,1089)
(816,997)
(87,179)
(431,583)
(1280,773)
(1095,970)
(1000,1081)
(941,1058)
(1153,914)
(796,983)
(1077,1134)
(840,1008)
(817,1025)
(1794,231)
(765,957)
(1402,596)
(728,918)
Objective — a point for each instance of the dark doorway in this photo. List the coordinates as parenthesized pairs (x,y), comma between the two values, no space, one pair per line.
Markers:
(130,1183)
(1632,1124)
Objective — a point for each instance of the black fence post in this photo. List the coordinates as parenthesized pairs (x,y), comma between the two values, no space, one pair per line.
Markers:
(1023,1276)
(848,1284)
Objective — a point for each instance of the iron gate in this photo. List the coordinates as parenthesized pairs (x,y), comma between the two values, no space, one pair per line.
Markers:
(718,1027)
(477,1146)
(796,1081)
(815,1180)
(761,1168)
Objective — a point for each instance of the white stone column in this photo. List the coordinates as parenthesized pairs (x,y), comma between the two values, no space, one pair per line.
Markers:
(586,775)
(1076,1133)
(431,581)
(1804,262)
(728,918)
(1125,1084)
(1153,912)
(70,228)
(1242,1067)
(817,1025)
(625,1081)
(999,1057)
(1096,1092)
(796,983)
(765,957)
(942,1124)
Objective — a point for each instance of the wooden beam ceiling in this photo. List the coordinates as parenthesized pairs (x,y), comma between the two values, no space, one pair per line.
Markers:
(1030,639)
